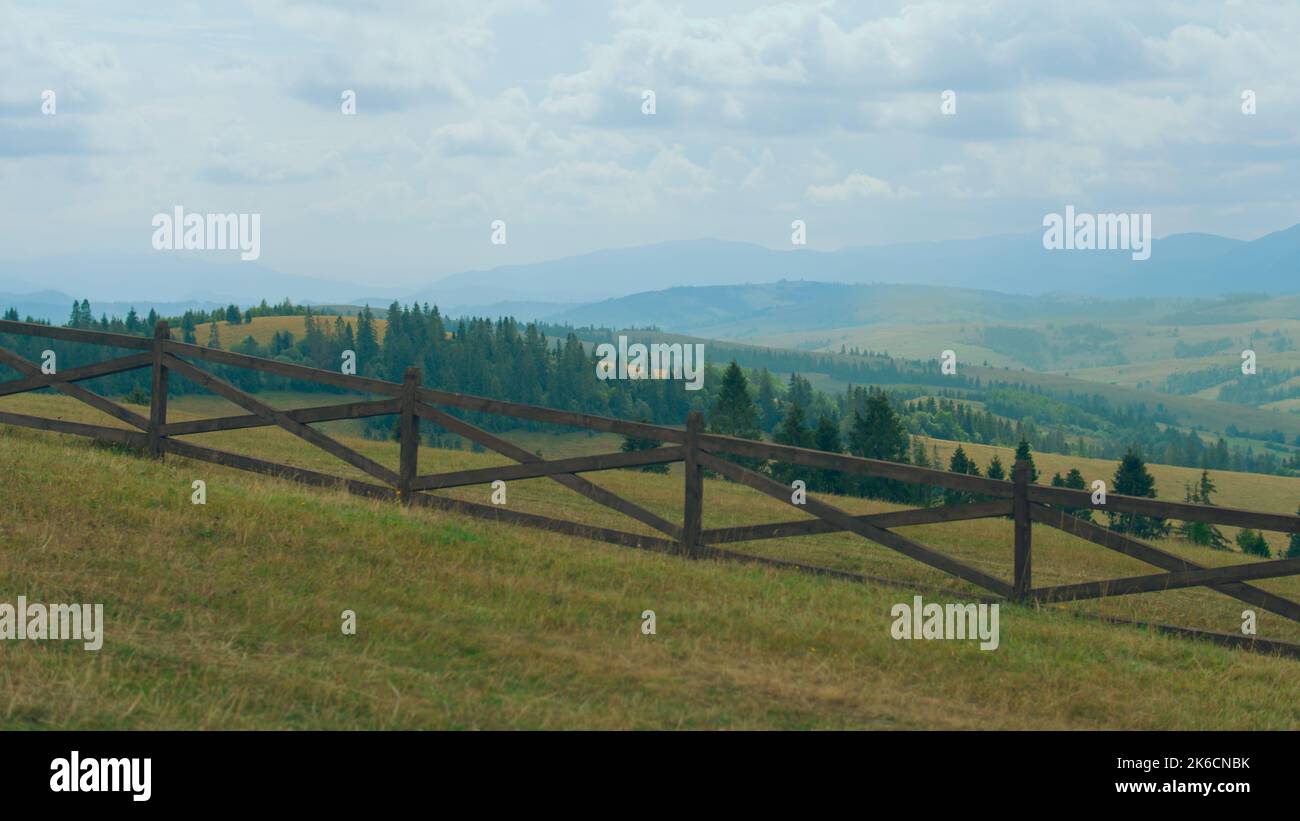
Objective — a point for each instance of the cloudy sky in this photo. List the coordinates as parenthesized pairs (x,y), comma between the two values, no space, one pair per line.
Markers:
(531,112)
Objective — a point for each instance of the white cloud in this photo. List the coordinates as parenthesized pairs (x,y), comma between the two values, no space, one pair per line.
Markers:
(857,186)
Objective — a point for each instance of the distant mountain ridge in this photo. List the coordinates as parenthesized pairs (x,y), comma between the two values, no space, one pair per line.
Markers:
(756,309)
(182,277)
(1181,265)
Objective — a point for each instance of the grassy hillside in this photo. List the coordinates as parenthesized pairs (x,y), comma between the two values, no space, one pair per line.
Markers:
(1204,413)
(262,328)
(1124,350)
(1112,341)
(227,615)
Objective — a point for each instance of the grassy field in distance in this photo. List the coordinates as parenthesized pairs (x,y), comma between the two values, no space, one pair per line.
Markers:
(1143,345)
(1192,410)
(262,328)
(1251,491)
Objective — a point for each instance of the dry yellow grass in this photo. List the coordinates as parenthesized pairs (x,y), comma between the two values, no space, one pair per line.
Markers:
(1252,491)
(262,328)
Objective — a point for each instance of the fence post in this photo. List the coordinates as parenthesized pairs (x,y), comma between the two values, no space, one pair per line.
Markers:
(693,516)
(410,435)
(158,390)
(1020,512)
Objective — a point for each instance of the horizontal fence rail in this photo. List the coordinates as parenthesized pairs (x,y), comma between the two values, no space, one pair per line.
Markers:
(1021,500)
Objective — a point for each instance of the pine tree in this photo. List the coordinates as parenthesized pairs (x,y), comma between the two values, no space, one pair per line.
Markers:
(919,457)
(792,431)
(996,471)
(1023,452)
(925,494)
(214,340)
(1074,481)
(734,413)
(769,409)
(879,434)
(368,347)
(960,463)
(1202,533)
(799,392)
(1133,479)
(826,437)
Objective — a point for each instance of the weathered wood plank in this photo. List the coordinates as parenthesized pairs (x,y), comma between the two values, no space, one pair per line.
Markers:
(321,413)
(91,398)
(533,520)
(846,521)
(491,512)
(1167,581)
(408,461)
(79,374)
(896,518)
(115,435)
(158,390)
(315,437)
(575,483)
(362,384)
(1116,503)
(1142,551)
(534,470)
(1023,556)
(853,464)
(537,413)
(693,492)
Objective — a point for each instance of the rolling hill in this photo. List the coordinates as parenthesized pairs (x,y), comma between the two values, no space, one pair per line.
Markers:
(215,621)
(262,328)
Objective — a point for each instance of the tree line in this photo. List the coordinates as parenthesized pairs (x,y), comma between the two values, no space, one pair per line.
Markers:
(874,429)
(530,363)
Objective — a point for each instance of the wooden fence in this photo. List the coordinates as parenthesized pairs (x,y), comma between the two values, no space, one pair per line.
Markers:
(1020,499)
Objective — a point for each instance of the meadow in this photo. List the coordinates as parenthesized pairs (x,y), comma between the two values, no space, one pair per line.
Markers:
(263,328)
(227,615)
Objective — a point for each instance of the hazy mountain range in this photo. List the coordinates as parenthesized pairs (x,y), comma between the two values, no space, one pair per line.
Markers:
(1181,265)
(739,311)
